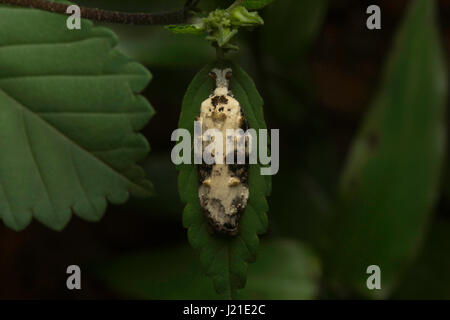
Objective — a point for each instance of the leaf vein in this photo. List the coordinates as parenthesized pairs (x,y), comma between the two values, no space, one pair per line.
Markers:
(37,165)
(77,145)
(80,182)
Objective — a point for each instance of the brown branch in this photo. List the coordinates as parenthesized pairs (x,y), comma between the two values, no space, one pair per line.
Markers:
(138,18)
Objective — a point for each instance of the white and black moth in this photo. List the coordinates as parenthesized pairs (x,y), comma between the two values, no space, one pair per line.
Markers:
(223,188)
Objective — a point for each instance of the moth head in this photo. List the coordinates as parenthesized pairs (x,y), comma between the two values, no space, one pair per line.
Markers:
(221,77)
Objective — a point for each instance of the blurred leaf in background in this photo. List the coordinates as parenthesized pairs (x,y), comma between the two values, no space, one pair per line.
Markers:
(429,277)
(291,26)
(256,4)
(165,204)
(286,269)
(153,45)
(391,179)
(302,199)
(303,188)
(160,48)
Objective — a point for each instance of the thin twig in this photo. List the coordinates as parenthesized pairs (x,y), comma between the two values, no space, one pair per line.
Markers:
(220,53)
(138,18)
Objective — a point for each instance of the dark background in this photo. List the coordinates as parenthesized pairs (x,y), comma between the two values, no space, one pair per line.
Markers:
(316,92)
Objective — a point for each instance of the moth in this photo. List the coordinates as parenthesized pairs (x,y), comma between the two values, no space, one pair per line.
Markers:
(223,188)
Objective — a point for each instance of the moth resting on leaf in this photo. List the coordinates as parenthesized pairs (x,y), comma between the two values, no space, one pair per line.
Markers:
(223,188)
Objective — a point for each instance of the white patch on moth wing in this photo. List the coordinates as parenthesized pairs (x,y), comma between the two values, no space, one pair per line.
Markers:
(231,109)
(221,91)
(223,196)
(222,117)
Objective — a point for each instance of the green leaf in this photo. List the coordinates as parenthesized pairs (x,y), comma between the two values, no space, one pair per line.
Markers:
(224,258)
(286,270)
(240,17)
(390,183)
(69,113)
(256,4)
(222,25)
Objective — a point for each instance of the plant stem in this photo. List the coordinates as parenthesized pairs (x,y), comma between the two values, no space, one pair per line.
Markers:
(220,53)
(138,18)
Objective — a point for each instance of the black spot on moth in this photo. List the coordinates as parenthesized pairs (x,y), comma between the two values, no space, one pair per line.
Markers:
(223,100)
(215,101)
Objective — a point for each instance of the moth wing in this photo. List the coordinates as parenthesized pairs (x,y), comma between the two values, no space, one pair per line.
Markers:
(205,106)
